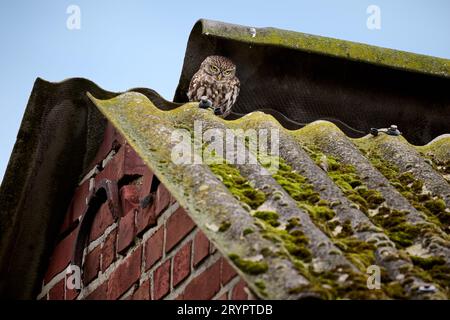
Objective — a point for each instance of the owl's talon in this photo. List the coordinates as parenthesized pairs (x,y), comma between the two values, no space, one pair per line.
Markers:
(218,112)
(205,103)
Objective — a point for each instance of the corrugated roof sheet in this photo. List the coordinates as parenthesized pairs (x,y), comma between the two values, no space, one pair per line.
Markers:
(300,78)
(325,45)
(320,78)
(311,228)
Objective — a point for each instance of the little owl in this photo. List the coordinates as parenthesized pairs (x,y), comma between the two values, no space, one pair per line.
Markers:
(216,80)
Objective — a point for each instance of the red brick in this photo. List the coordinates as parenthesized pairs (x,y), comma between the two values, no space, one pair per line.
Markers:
(223,296)
(161,280)
(239,292)
(129,196)
(103,219)
(110,138)
(179,224)
(126,274)
(201,247)
(143,292)
(126,232)
(100,293)
(61,256)
(154,248)
(79,199)
(145,218)
(227,271)
(147,179)
(91,265)
(124,162)
(109,250)
(77,206)
(251,296)
(162,199)
(205,285)
(113,169)
(133,162)
(57,292)
(180,297)
(182,264)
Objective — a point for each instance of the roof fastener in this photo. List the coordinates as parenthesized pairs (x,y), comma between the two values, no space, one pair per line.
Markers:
(427,288)
(391,131)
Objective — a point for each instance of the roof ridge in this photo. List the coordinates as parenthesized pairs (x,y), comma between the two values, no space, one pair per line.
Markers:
(397,59)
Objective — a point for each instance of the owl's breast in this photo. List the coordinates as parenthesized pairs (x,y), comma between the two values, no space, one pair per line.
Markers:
(217,93)
(221,93)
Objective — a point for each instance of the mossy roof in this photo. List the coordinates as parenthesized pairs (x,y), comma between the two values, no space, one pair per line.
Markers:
(300,78)
(311,228)
(329,46)
(311,221)
(336,206)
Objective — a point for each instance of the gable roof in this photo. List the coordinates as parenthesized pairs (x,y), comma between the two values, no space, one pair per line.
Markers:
(300,78)
(325,46)
(335,81)
(322,219)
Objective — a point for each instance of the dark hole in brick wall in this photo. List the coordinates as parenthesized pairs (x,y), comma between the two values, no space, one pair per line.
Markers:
(128,179)
(148,200)
(83,234)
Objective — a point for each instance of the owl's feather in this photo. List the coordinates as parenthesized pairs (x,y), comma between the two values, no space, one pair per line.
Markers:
(217,81)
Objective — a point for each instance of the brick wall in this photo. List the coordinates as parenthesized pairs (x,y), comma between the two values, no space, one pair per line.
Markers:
(134,248)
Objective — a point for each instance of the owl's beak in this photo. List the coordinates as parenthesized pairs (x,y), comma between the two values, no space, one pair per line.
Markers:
(219,77)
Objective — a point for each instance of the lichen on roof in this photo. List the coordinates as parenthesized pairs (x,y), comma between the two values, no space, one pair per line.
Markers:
(312,227)
(329,46)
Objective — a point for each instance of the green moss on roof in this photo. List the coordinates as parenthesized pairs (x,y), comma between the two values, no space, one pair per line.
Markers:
(413,190)
(303,192)
(347,179)
(371,202)
(271,217)
(332,47)
(238,185)
(260,238)
(360,253)
(249,266)
(399,230)
(357,251)
(438,153)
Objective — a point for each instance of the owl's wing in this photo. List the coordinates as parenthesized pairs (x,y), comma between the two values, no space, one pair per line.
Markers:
(195,88)
(230,98)
(236,90)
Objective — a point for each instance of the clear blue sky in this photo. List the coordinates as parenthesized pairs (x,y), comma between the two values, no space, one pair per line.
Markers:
(125,44)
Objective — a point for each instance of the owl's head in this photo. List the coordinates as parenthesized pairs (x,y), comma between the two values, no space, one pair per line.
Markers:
(219,67)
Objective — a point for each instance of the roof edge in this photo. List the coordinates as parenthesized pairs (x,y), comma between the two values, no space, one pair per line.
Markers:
(396,59)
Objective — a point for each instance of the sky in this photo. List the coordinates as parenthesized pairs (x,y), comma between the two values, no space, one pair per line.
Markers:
(141,43)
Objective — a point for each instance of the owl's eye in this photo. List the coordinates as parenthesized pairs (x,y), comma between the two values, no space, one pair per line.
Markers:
(214,69)
(227,72)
